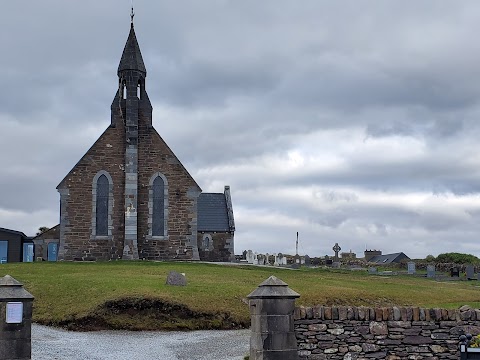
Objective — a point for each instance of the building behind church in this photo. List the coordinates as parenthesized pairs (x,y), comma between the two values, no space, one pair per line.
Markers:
(129,196)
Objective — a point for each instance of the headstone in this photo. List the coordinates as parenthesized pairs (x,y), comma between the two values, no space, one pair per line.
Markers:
(328,262)
(255,259)
(372,270)
(275,263)
(176,279)
(411,268)
(470,272)
(249,256)
(302,260)
(280,258)
(244,255)
(430,271)
(336,249)
(454,272)
(307,260)
(261,259)
(267,259)
(297,259)
(336,265)
(478,276)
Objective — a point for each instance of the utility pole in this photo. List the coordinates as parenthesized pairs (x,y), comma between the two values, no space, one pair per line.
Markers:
(296,245)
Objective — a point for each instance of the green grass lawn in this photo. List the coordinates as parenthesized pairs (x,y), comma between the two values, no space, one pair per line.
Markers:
(66,291)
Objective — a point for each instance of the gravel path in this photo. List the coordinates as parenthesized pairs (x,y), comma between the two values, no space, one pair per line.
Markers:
(54,344)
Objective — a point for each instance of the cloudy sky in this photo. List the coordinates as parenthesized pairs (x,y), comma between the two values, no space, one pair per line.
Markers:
(354,122)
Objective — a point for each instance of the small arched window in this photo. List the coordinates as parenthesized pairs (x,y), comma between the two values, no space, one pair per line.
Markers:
(103,192)
(124,91)
(207,242)
(139,91)
(158,215)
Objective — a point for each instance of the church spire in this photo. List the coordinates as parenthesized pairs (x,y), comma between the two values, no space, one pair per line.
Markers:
(131,57)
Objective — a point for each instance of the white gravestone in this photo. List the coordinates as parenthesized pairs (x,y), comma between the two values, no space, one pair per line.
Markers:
(249,257)
(275,263)
(411,268)
(255,258)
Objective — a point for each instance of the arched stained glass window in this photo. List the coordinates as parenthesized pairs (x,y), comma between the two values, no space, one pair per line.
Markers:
(158,216)
(102,206)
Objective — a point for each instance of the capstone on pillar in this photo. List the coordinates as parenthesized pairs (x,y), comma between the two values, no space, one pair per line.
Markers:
(272,307)
(15,320)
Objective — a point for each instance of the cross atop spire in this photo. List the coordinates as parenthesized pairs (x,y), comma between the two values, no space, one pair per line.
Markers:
(132,14)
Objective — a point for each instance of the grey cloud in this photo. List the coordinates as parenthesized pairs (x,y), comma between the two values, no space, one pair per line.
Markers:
(247,81)
(213,84)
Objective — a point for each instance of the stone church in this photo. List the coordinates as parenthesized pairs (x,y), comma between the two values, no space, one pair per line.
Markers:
(129,196)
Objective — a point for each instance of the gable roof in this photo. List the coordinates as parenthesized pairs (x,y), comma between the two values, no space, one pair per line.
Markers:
(15,232)
(155,132)
(212,212)
(388,258)
(54,232)
(62,183)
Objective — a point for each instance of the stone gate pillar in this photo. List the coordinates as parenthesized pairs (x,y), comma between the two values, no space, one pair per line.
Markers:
(272,307)
(15,320)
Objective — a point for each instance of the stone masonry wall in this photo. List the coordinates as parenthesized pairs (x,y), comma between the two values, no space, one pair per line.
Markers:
(41,242)
(382,333)
(220,249)
(76,242)
(181,243)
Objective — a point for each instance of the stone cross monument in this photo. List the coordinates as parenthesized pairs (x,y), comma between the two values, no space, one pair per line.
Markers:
(337,249)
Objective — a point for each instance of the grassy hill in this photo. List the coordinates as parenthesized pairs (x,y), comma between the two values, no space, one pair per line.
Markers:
(133,295)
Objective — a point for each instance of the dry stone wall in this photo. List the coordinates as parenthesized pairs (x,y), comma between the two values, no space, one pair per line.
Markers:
(358,333)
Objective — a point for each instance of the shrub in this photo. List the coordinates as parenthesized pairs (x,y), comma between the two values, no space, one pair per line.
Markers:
(457,258)
(475,342)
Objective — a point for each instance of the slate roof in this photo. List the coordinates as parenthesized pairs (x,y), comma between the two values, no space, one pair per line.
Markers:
(54,232)
(132,57)
(212,212)
(15,232)
(388,258)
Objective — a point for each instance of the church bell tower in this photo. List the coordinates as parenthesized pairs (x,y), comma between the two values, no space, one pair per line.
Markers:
(131,106)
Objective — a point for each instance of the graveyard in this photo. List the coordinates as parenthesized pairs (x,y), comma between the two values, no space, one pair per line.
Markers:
(134,295)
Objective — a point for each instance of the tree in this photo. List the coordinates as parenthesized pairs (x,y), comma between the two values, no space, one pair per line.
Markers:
(42,229)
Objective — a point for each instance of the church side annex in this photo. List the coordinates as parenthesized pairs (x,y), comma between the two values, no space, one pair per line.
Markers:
(129,197)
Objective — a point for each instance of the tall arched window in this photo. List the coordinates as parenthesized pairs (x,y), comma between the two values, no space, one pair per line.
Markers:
(158,207)
(158,216)
(103,192)
(102,206)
